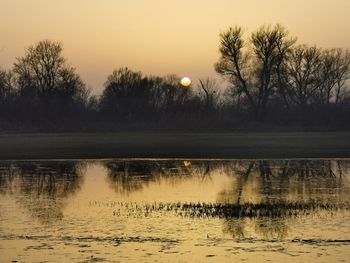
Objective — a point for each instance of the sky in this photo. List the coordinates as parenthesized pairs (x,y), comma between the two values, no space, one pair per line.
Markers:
(158,37)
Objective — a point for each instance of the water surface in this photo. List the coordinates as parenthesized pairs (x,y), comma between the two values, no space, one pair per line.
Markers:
(175,210)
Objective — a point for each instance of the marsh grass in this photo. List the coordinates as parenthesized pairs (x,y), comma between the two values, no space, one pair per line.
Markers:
(217,210)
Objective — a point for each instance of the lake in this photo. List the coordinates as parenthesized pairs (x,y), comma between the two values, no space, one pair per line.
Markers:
(174,210)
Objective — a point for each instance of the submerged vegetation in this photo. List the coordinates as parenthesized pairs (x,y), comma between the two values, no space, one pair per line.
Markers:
(272,81)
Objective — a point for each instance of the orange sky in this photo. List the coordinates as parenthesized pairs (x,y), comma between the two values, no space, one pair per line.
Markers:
(158,37)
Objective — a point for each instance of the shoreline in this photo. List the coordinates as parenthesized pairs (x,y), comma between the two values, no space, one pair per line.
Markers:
(172,145)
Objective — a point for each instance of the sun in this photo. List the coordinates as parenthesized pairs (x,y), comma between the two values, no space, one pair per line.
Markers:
(185,82)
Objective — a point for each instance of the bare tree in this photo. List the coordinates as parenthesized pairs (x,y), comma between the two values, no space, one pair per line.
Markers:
(233,63)
(6,85)
(317,76)
(44,69)
(209,93)
(7,94)
(334,74)
(271,46)
(126,94)
(46,83)
(40,67)
(303,66)
(253,71)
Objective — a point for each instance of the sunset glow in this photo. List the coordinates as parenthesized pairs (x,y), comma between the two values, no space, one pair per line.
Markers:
(158,37)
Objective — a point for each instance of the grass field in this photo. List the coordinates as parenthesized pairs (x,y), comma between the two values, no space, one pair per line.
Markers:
(175,145)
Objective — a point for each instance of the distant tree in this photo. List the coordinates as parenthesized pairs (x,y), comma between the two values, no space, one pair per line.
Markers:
(173,96)
(317,76)
(126,94)
(129,95)
(304,66)
(47,83)
(6,85)
(166,92)
(252,66)
(334,74)
(40,68)
(7,94)
(209,93)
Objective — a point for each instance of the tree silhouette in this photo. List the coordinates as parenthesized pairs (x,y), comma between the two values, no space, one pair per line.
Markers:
(272,82)
(130,96)
(209,93)
(7,94)
(304,66)
(334,73)
(46,84)
(253,72)
(120,96)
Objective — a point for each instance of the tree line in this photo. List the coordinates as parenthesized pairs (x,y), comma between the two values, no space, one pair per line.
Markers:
(272,81)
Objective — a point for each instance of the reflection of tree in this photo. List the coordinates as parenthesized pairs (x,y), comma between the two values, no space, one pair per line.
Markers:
(42,188)
(286,180)
(129,176)
(266,227)
(235,226)
(271,228)
(279,185)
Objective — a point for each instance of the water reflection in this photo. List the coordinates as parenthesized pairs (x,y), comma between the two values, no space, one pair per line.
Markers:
(289,180)
(172,207)
(263,196)
(285,188)
(258,181)
(126,177)
(251,198)
(41,188)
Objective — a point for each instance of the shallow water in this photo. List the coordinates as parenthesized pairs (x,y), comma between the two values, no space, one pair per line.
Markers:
(175,210)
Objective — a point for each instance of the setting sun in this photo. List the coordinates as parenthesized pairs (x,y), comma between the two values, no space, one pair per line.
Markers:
(185,82)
